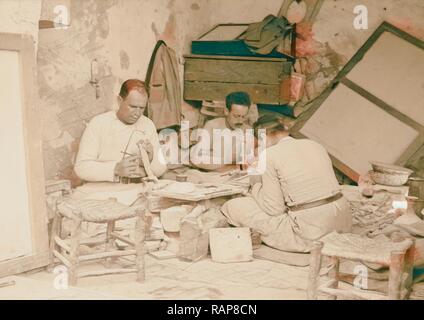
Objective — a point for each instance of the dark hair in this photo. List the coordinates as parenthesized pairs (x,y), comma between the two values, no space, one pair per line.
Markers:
(132,84)
(240,97)
(270,122)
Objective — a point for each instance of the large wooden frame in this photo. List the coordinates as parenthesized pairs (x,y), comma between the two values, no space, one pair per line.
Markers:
(209,77)
(414,150)
(24,45)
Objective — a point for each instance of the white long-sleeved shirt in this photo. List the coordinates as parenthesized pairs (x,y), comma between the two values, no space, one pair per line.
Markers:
(104,140)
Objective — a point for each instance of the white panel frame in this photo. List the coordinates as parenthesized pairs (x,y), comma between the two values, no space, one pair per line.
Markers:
(39,256)
(414,149)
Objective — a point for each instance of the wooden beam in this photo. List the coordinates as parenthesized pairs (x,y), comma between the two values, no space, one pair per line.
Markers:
(62,243)
(314,268)
(105,272)
(383,105)
(352,293)
(101,255)
(222,24)
(351,64)
(334,275)
(397,263)
(416,149)
(349,172)
(412,149)
(259,93)
(416,144)
(39,257)
(48,24)
(91,242)
(122,238)
(45,24)
(23,264)
(233,58)
(62,258)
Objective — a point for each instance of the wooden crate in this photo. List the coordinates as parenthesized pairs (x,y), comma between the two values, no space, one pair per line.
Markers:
(214,77)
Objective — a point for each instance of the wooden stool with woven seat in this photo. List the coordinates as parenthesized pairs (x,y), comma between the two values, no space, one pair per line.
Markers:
(96,211)
(398,256)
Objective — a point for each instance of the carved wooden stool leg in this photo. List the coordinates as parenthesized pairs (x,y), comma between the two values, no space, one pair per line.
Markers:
(409,268)
(53,246)
(333,274)
(109,242)
(140,234)
(314,268)
(397,263)
(60,228)
(73,254)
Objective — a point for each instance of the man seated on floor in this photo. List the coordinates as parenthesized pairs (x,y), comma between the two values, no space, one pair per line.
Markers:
(110,146)
(298,198)
(228,132)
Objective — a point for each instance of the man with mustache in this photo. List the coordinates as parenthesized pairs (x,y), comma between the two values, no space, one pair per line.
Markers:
(110,146)
(235,122)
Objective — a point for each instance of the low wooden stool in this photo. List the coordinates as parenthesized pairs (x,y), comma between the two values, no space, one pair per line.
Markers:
(96,211)
(398,256)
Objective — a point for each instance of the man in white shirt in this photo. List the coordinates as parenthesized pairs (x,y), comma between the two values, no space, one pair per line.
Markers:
(229,131)
(298,199)
(110,146)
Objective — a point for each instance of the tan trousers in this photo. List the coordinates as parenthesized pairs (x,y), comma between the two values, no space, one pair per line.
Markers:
(291,231)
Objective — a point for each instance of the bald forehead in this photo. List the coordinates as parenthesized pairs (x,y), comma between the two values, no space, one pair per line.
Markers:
(137,95)
(136,98)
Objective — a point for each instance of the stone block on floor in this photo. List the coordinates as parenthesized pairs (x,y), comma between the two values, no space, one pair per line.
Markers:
(230,245)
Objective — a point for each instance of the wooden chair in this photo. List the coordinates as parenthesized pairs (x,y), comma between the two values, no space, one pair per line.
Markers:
(398,256)
(96,211)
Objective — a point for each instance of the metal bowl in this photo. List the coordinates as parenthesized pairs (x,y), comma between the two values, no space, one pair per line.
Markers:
(389,168)
(389,179)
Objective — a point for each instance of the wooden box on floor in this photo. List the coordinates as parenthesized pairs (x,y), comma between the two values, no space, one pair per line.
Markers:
(208,77)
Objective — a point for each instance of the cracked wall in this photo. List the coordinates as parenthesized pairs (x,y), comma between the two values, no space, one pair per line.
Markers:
(120,35)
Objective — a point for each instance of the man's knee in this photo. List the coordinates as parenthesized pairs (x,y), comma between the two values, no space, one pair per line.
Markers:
(231,210)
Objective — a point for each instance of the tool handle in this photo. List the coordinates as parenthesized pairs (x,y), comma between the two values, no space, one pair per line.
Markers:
(146,164)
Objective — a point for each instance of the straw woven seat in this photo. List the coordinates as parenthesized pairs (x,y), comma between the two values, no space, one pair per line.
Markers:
(98,211)
(398,256)
(355,247)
